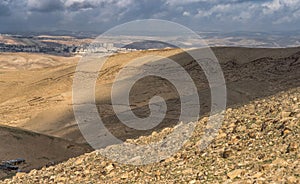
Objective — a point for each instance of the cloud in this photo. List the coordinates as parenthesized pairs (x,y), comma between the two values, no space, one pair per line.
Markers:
(94,4)
(285,11)
(245,11)
(217,9)
(81,5)
(287,19)
(186,13)
(187,2)
(4,8)
(180,2)
(4,11)
(45,5)
(100,15)
(276,5)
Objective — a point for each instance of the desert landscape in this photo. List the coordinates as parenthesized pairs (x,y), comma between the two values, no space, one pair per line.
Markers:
(258,140)
(166,91)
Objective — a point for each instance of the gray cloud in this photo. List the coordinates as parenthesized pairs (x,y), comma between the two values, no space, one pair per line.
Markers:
(4,9)
(81,5)
(99,15)
(45,5)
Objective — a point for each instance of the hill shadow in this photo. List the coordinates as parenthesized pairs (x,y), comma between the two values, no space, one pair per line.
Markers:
(249,74)
(246,80)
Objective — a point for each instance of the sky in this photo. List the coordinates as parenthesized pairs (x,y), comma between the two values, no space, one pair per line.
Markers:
(198,15)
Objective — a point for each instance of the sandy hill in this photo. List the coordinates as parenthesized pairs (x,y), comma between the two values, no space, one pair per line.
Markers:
(29,61)
(37,97)
(38,150)
(258,143)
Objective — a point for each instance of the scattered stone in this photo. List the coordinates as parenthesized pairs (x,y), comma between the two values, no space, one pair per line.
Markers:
(109,168)
(192,182)
(292,147)
(258,175)
(249,149)
(279,161)
(20,174)
(124,176)
(285,114)
(286,131)
(226,154)
(235,173)
(187,171)
(292,179)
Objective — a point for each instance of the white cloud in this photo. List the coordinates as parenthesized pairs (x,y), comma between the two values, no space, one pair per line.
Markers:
(217,9)
(271,7)
(183,2)
(186,13)
(286,19)
(278,5)
(283,11)
(124,3)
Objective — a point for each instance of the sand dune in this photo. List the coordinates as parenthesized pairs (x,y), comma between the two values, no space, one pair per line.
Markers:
(38,150)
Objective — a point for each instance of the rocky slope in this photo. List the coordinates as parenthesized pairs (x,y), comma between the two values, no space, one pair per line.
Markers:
(257,143)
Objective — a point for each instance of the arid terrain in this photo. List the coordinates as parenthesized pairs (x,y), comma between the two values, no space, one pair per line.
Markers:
(39,150)
(258,140)
(42,39)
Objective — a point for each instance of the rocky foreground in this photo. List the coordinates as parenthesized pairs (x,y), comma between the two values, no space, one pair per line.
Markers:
(258,143)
